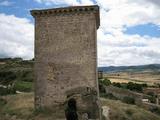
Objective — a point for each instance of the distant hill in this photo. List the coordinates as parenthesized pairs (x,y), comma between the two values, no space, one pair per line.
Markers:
(18,65)
(140,68)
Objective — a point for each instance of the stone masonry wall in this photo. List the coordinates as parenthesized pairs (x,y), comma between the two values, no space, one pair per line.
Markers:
(66,59)
(65,55)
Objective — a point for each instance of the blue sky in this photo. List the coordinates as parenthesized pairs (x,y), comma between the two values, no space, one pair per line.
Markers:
(129,33)
(144,29)
(20,8)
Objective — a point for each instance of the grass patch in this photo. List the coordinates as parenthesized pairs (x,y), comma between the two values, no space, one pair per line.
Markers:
(122,111)
(129,112)
(19,105)
(24,86)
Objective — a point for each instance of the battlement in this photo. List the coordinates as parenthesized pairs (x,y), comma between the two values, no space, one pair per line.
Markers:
(72,10)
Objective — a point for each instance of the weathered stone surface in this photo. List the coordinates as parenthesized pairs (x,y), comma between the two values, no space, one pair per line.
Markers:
(66,58)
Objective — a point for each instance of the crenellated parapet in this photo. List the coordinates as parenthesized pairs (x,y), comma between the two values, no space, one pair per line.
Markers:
(68,11)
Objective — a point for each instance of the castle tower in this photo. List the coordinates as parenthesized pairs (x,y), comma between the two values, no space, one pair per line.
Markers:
(66,60)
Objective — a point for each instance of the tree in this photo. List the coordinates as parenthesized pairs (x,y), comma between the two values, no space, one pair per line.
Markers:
(106,82)
(117,84)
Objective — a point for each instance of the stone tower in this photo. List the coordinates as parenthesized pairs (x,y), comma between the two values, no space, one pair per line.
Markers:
(66,60)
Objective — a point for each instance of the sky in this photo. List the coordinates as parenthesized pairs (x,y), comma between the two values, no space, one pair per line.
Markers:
(129,32)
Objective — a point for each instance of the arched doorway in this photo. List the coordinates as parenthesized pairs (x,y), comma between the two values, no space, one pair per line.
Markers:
(71,110)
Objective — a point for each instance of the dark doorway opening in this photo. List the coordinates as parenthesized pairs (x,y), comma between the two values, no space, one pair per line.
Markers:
(71,110)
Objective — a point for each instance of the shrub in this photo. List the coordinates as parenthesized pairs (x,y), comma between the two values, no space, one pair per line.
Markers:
(151,93)
(103,83)
(155,110)
(109,96)
(152,99)
(131,86)
(27,76)
(129,112)
(6,77)
(116,84)
(106,82)
(2,102)
(6,91)
(128,100)
(144,85)
(134,86)
(101,88)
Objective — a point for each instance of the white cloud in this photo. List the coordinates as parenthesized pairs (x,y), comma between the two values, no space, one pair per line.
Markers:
(68,2)
(6,3)
(117,48)
(127,13)
(114,46)
(127,50)
(16,37)
(86,2)
(58,2)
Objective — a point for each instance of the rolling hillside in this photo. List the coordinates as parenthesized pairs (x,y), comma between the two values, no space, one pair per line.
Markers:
(141,68)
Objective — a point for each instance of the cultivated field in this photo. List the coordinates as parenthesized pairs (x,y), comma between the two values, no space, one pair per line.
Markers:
(149,77)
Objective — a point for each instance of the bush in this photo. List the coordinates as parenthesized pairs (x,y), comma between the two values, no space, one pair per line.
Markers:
(27,76)
(6,77)
(101,88)
(151,93)
(144,85)
(129,112)
(2,102)
(135,86)
(155,110)
(116,84)
(131,86)
(128,100)
(109,96)
(103,83)
(152,99)
(6,91)
(106,82)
